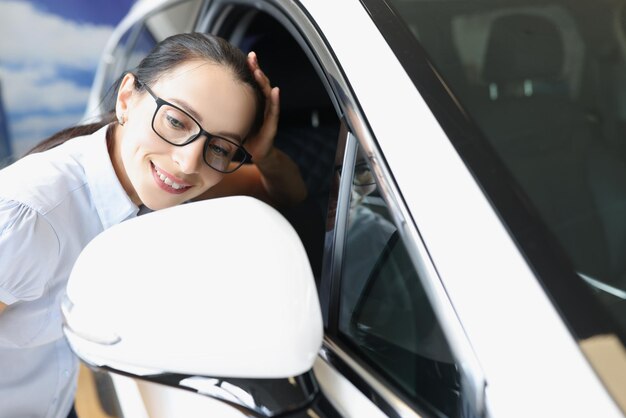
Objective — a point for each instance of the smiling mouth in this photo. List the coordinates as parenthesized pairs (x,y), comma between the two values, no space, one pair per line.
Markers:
(165,182)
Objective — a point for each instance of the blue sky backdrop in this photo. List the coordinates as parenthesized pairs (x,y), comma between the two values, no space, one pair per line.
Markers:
(49,51)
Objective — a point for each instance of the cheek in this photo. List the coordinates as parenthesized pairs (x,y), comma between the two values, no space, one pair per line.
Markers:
(211,177)
(138,133)
(138,145)
(131,156)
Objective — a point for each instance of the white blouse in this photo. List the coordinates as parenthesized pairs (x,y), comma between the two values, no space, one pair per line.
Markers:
(51,205)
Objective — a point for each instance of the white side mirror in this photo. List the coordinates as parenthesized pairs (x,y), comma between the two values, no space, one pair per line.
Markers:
(215,288)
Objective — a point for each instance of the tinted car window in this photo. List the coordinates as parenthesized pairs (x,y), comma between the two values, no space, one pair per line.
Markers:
(142,46)
(543,83)
(140,38)
(384,312)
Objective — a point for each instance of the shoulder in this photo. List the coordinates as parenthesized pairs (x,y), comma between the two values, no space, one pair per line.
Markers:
(17,219)
(29,247)
(41,181)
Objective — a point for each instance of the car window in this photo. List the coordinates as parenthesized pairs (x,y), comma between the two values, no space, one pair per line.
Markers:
(384,312)
(538,88)
(141,37)
(531,95)
(144,42)
(118,56)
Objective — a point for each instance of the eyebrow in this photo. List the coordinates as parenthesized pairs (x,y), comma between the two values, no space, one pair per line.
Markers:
(185,106)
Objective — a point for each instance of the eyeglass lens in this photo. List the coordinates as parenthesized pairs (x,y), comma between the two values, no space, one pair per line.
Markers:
(362,175)
(177,127)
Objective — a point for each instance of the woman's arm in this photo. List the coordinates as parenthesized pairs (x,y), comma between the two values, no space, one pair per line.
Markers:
(2,306)
(273,177)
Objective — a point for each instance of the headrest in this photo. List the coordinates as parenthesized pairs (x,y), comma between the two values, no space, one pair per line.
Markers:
(523,47)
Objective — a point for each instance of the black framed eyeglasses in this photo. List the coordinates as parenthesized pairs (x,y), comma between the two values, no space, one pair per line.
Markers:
(177,127)
(362,174)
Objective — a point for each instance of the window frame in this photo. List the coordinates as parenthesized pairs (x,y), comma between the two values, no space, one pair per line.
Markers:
(472,378)
(388,256)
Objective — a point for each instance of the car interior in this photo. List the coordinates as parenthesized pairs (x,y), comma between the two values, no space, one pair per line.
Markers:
(544,81)
(309,125)
(553,150)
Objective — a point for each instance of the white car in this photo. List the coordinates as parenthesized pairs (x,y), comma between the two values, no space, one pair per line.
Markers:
(462,252)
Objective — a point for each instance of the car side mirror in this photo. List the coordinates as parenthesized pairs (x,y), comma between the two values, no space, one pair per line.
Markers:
(214,289)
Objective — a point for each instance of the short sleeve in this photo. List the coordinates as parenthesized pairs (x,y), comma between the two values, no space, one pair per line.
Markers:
(29,249)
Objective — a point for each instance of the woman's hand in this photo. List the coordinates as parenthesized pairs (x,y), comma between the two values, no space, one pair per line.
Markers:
(274,177)
(261,145)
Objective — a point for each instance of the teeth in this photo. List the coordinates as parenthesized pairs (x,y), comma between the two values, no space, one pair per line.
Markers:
(168,181)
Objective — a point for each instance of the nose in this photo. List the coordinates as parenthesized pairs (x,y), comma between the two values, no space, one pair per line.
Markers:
(189,157)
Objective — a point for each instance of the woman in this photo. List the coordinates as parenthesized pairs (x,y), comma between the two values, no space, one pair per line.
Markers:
(175,134)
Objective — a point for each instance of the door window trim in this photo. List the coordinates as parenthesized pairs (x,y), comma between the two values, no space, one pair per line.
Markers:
(473,381)
(368,381)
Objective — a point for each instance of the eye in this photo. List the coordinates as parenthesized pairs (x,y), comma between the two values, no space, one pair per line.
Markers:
(173,122)
(363,170)
(218,150)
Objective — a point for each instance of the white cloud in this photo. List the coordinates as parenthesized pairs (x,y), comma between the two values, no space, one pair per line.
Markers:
(31,36)
(37,89)
(36,49)
(31,130)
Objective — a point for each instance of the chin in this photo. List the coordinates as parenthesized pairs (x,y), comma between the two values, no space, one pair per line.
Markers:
(158,204)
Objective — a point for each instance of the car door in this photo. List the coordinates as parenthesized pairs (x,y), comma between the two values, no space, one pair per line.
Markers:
(385,352)
(450,195)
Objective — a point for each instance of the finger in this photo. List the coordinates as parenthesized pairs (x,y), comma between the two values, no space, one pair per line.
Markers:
(253,62)
(273,108)
(263,81)
(261,77)
(275,103)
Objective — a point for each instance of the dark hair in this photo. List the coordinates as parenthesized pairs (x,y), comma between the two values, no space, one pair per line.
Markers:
(164,57)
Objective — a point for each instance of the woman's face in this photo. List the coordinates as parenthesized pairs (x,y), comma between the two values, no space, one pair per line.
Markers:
(161,175)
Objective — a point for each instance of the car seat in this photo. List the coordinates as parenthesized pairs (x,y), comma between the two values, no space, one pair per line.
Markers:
(552,145)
